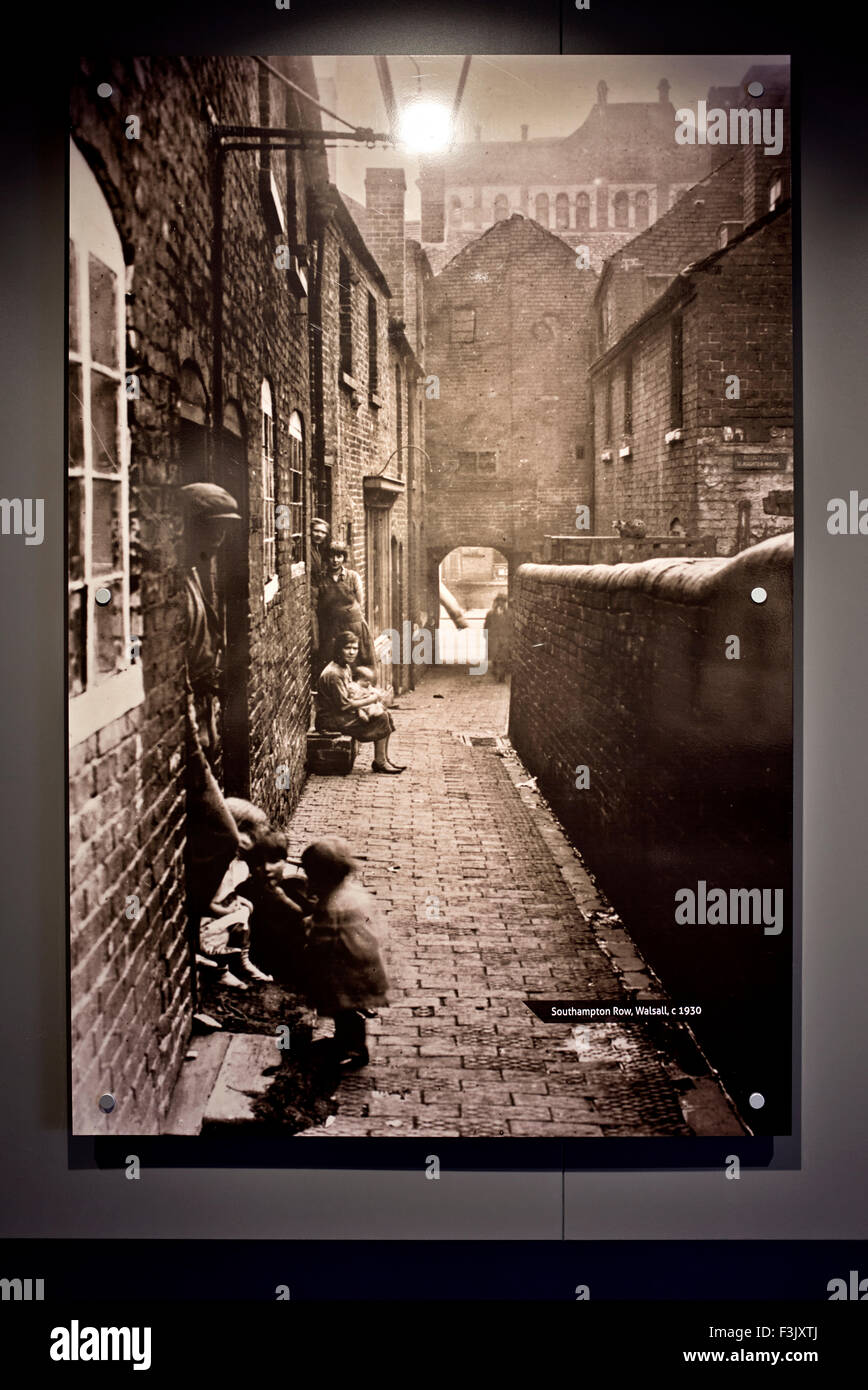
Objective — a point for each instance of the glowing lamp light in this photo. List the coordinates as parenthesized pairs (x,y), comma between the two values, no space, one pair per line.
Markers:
(425,126)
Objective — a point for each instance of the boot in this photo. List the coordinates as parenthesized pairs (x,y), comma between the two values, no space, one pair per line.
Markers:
(249,971)
(230,981)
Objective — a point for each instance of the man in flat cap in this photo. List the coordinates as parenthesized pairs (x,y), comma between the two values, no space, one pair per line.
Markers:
(209,509)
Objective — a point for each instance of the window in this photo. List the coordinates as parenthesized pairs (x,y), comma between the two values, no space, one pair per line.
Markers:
(399,421)
(562,212)
(456,213)
(373,379)
(501,207)
(345,314)
(621,205)
(628,396)
(104,676)
(776,191)
(542,209)
(676,374)
(641,208)
(296,486)
(477,461)
(269,490)
(583,212)
(463,325)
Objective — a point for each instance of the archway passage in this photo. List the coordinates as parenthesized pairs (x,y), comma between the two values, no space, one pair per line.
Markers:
(474,576)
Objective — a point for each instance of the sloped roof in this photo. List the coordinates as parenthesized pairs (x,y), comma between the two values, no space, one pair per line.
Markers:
(507,229)
(686,232)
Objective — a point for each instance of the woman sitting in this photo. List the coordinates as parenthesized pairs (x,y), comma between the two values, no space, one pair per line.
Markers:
(340,700)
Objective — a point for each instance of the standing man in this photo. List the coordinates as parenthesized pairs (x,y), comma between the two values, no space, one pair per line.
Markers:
(212,836)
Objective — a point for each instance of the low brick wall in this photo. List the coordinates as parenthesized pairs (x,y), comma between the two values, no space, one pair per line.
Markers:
(623,669)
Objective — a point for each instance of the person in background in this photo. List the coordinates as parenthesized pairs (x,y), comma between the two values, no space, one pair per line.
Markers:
(319,531)
(498,624)
(345,978)
(341,607)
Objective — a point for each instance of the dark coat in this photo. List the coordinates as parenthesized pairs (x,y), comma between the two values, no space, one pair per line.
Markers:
(343,966)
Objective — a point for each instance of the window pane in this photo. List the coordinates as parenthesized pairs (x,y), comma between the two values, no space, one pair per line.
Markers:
(109,625)
(104,423)
(485,463)
(76,528)
(76,671)
(103,311)
(76,417)
(107,540)
(74,344)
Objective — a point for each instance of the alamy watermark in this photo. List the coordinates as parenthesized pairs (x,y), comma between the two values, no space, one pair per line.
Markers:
(739,907)
(468,647)
(738,125)
(23,516)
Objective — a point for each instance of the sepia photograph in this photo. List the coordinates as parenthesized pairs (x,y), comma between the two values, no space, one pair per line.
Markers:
(430,596)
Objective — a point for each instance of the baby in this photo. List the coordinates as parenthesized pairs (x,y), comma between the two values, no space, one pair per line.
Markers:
(363,686)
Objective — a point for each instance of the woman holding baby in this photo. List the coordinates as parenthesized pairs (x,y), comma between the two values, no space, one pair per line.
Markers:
(348,702)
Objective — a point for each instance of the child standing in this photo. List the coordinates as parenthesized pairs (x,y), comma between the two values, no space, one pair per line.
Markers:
(345,977)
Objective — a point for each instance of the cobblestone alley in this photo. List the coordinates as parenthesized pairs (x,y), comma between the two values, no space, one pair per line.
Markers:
(485,904)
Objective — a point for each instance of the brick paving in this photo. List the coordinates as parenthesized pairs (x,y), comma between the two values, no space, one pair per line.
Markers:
(484,906)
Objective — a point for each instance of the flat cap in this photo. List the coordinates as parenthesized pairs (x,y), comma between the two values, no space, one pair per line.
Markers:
(210,501)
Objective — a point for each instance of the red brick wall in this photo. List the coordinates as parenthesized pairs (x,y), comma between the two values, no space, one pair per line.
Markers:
(130,979)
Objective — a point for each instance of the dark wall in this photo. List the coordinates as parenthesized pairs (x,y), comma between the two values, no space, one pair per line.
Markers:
(623,669)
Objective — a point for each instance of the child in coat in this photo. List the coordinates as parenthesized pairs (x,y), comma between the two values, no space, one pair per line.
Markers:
(345,977)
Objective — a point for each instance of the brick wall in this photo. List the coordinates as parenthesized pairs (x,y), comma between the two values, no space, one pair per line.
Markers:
(130,979)
(737,321)
(518,389)
(689,757)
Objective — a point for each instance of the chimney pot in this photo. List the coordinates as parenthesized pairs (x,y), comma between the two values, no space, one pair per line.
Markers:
(524,131)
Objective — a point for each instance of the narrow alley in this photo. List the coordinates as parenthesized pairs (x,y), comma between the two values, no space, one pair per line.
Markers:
(485,904)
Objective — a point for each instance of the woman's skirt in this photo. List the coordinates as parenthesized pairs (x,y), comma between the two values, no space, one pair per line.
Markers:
(364,730)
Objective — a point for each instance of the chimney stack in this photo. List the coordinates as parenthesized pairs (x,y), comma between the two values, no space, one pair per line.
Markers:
(384,200)
(524,131)
(663,89)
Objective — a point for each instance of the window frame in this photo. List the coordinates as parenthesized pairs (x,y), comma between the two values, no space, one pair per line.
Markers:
(93,233)
(454,336)
(345,313)
(268,476)
(297,491)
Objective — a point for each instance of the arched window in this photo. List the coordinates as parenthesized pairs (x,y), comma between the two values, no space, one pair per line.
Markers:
(583,212)
(542,209)
(641,208)
(562,212)
(105,673)
(501,207)
(296,486)
(621,205)
(269,492)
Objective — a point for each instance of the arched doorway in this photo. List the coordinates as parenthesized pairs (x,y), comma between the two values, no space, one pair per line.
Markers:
(473,576)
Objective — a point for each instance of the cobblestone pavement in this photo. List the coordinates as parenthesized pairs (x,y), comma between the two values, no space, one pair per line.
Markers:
(483,903)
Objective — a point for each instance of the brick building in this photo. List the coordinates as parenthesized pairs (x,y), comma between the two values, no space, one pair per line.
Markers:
(693,388)
(618,172)
(211,296)
(508,345)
